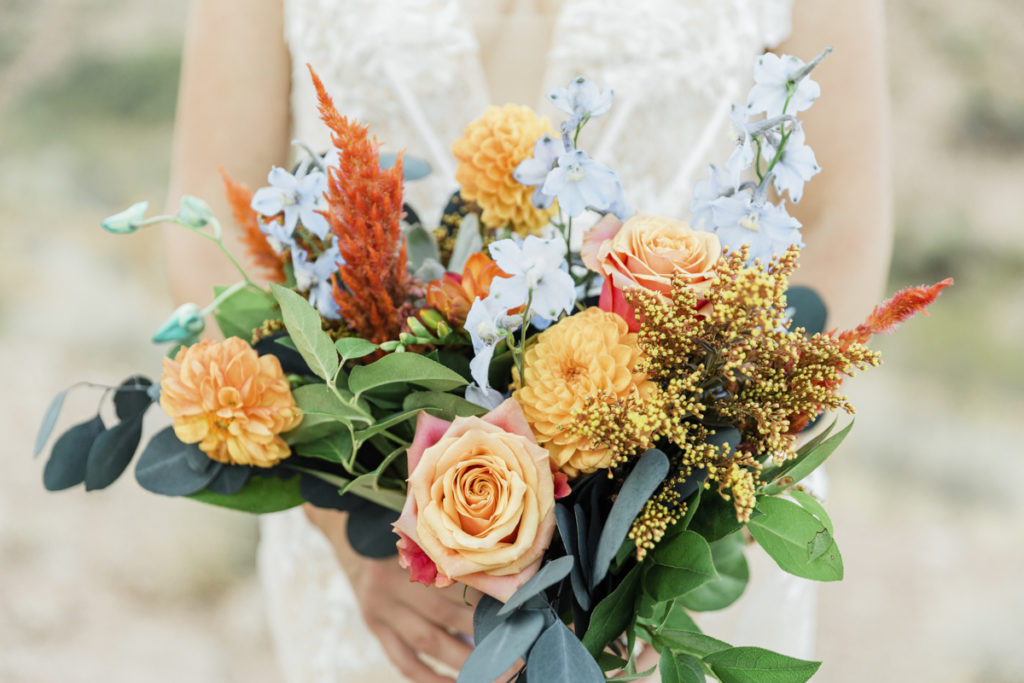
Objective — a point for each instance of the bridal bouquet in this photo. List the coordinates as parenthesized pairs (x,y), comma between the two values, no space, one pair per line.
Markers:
(589,431)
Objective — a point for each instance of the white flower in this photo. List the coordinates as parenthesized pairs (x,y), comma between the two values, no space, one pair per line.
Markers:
(795,166)
(719,183)
(534,170)
(582,99)
(743,155)
(487,323)
(744,219)
(539,273)
(298,198)
(578,181)
(775,78)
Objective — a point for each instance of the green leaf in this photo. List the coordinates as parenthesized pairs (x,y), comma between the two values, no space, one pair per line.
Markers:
(757,665)
(558,656)
(384,425)
(811,504)
(691,642)
(733,575)
(319,404)
(49,420)
(626,678)
(403,368)
(165,467)
(567,532)
(442,404)
(242,312)
(771,471)
(677,667)
(368,487)
(68,459)
(678,566)
(806,462)
(351,348)
(369,531)
(793,537)
(678,619)
(111,452)
(503,646)
(715,518)
(336,447)
(549,575)
(261,495)
(305,328)
(613,614)
(641,483)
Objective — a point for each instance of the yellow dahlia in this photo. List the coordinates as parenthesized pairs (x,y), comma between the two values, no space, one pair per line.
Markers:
(488,152)
(231,401)
(588,355)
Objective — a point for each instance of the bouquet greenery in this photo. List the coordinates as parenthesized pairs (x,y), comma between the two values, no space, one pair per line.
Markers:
(589,431)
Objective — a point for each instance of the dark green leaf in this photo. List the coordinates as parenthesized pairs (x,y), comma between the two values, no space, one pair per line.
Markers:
(733,575)
(68,459)
(164,467)
(567,532)
(111,452)
(336,447)
(771,471)
(641,483)
(131,397)
(354,347)
(715,518)
(230,480)
(679,566)
(503,646)
(558,655)
(613,614)
(369,531)
(677,667)
(691,642)
(805,463)
(692,506)
(608,662)
(305,328)
(678,619)
(49,420)
(260,495)
(757,665)
(791,535)
(403,368)
(548,576)
(809,312)
(485,617)
(441,404)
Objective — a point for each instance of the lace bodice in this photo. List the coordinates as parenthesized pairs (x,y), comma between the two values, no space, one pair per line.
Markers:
(411,70)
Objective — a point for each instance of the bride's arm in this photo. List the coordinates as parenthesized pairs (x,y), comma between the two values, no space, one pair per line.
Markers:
(846,209)
(233,111)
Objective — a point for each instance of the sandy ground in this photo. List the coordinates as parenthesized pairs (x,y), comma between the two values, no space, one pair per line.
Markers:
(126,586)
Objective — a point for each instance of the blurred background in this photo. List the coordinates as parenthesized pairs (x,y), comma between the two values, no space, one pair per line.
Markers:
(126,586)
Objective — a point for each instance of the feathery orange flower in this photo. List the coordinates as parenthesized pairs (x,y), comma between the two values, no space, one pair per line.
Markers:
(364,212)
(261,254)
(231,401)
(453,294)
(887,315)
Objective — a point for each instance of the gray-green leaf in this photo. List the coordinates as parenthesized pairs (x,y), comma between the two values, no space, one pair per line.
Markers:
(503,646)
(558,655)
(304,327)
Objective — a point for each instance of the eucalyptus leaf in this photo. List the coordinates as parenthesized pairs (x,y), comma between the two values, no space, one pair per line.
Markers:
(678,566)
(442,404)
(799,467)
(757,665)
(261,495)
(305,328)
(49,420)
(567,532)
(351,348)
(486,617)
(558,655)
(230,479)
(613,614)
(792,536)
(547,576)
(809,310)
(678,667)
(728,586)
(164,468)
(467,242)
(369,531)
(647,475)
(131,397)
(403,368)
(503,646)
(413,168)
(420,245)
(68,459)
(111,452)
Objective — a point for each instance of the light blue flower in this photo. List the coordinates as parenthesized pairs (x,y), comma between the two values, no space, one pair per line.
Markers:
(795,166)
(580,182)
(743,155)
(298,198)
(534,171)
(539,273)
(582,99)
(743,219)
(488,323)
(127,221)
(315,278)
(718,184)
(775,78)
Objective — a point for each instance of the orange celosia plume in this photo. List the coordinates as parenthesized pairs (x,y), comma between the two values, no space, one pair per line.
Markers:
(364,211)
(891,313)
(260,252)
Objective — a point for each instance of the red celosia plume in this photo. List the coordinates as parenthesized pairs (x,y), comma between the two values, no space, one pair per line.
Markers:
(259,250)
(364,212)
(891,313)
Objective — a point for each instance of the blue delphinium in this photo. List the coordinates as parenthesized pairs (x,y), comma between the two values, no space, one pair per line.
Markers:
(316,277)
(582,99)
(538,276)
(534,171)
(795,166)
(297,197)
(580,182)
(748,218)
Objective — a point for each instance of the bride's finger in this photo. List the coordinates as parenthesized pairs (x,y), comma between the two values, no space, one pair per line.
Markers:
(404,657)
(429,638)
(453,616)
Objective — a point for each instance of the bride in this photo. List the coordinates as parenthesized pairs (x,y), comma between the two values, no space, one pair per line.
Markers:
(416,71)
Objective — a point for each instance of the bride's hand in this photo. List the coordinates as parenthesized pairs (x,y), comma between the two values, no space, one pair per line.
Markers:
(408,618)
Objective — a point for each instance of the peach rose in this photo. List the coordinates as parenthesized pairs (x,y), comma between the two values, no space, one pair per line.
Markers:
(648,251)
(481,501)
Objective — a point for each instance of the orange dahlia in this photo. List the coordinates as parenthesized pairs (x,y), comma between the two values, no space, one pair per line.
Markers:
(488,152)
(231,401)
(590,355)
(453,294)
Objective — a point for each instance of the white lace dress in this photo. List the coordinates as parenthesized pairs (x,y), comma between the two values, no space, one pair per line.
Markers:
(412,71)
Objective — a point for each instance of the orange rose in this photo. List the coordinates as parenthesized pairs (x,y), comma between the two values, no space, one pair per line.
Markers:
(231,401)
(481,501)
